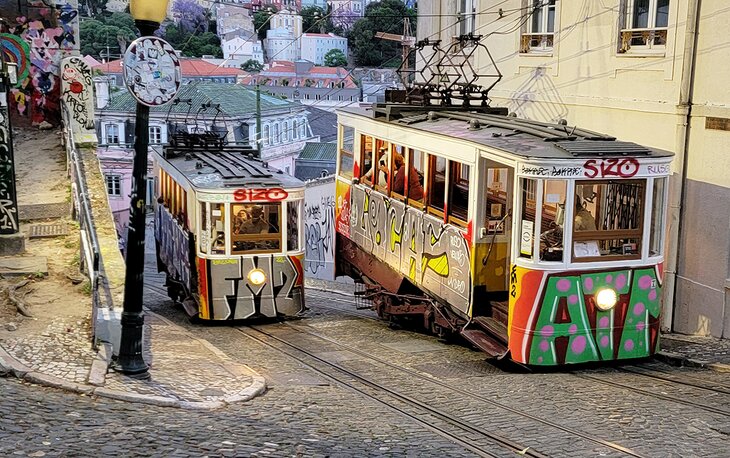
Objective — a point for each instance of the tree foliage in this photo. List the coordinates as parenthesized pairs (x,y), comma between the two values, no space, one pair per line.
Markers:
(261,20)
(252,66)
(192,45)
(335,58)
(112,32)
(190,16)
(384,16)
(312,21)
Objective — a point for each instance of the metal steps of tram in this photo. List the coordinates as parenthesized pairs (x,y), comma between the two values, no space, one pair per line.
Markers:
(488,335)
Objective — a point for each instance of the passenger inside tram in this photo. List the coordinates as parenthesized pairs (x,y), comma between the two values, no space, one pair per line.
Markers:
(415,190)
(584,220)
(379,167)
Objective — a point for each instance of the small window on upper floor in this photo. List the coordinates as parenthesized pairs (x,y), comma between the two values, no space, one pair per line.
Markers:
(114,185)
(155,134)
(112,134)
(644,25)
(538,31)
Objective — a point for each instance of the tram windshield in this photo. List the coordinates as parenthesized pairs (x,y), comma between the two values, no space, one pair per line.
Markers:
(255,227)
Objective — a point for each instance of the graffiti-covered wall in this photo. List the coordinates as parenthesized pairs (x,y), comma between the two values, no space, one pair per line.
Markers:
(319,222)
(37,35)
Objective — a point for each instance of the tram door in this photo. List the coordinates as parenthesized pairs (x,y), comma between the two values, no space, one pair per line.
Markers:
(496,193)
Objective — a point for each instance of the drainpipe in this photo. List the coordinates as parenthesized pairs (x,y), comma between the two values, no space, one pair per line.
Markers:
(686,94)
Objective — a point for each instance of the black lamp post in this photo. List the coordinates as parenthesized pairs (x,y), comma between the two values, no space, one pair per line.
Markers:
(148,14)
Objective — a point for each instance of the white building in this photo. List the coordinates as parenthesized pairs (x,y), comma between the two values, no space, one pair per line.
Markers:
(282,39)
(318,3)
(239,46)
(314,46)
(233,17)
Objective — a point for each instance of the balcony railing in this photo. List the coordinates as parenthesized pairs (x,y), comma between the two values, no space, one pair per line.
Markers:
(536,42)
(643,38)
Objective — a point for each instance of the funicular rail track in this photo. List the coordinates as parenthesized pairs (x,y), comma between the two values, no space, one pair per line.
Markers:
(650,373)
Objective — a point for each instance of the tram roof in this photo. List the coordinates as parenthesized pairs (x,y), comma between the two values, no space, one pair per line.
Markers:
(228,169)
(491,127)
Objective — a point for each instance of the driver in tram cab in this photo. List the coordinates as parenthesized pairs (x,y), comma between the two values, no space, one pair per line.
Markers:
(584,220)
(256,224)
(380,167)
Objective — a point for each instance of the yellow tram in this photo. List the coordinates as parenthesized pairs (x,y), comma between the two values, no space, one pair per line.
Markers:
(228,233)
(537,241)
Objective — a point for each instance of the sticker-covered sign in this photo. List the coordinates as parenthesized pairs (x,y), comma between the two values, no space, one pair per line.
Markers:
(526,237)
(152,71)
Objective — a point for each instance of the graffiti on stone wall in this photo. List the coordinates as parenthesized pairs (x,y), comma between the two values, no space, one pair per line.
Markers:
(77,95)
(433,255)
(37,40)
(8,197)
(319,219)
(569,328)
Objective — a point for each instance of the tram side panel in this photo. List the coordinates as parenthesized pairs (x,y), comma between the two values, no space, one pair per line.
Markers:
(554,318)
(432,255)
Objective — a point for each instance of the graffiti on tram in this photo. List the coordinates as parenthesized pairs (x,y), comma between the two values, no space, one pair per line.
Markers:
(566,326)
(174,245)
(433,255)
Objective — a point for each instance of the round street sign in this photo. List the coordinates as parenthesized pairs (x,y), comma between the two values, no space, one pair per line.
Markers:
(152,71)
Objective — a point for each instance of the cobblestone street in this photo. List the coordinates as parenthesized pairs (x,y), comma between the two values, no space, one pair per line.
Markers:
(313,408)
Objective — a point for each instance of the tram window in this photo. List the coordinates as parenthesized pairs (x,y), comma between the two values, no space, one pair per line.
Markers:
(416,171)
(551,226)
(527,216)
(218,228)
(366,158)
(458,193)
(256,228)
(656,237)
(496,198)
(436,184)
(381,167)
(347,153)
(398,172)
(204,231)
(607,221)
(292,231)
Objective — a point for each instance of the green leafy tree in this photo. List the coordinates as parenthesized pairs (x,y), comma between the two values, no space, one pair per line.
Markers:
(335,58)
(261,20)
(112,33)
(384,16)
(252,66)
(316,20)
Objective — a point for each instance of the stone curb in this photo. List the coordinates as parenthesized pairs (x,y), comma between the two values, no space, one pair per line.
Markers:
(678,359)
(97,374)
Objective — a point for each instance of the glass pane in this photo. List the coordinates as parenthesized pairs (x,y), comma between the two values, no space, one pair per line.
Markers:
(204,227)
(537,16)
(496,198)
(382,165)
(366,166)
(662,13)
(346,164)
(218,228)
(553,209)
(437,183)
(656,237)
(416,172)
(398,172)
(256,227)
(527,217)
(610,216)
(348,139)
(551,17)
(459,191)
(292,231)
(640,14)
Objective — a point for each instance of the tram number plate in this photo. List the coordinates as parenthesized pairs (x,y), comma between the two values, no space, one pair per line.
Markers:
(267,195)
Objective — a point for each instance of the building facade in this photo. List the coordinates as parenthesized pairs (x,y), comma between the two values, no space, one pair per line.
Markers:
(227,109)
(646,71)
(282,38)
(240,46)
(193,69)
(315,46)
(309,84)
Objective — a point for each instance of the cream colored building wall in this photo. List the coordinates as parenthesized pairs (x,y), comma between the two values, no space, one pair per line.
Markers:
(636,97)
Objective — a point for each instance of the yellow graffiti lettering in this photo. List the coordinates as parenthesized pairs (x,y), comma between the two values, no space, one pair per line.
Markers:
(440,265)
(218,262)
(412,270)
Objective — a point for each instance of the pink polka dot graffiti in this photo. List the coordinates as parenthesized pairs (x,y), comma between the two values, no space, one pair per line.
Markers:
(568,326)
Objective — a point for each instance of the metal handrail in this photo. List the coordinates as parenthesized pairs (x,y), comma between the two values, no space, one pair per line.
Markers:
(90,251)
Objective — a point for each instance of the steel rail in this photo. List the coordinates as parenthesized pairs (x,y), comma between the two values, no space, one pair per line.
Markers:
(497,439)
(646,373)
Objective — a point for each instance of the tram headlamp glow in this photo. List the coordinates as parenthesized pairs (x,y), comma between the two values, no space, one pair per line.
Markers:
(606,299)
(256,276)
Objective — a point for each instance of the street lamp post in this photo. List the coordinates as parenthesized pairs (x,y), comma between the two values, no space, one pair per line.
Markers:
(148,14)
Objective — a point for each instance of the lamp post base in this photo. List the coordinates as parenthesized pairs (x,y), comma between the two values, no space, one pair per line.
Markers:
(130,361)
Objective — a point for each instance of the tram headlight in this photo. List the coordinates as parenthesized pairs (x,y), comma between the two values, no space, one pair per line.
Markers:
(606,299)
(256,276)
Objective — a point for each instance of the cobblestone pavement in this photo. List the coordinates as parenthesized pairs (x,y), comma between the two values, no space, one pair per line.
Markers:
(704,349)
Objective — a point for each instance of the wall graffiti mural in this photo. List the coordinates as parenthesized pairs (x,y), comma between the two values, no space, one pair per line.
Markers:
(38,37)
(77,95)
(232,296)
(557,321)
(8,196)
(319,224)
(433,255)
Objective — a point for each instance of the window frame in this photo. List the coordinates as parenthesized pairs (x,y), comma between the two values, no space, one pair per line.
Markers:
(628,32)
(253,237)
(540,41)
(452,181)
(432,158)
(158,135)
(409,163)
(110,179)
(111,127)
(350,173)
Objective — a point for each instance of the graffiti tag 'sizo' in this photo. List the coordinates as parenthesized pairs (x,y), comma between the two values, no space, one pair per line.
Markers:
(258,195)
(8,197)
(623,168)
(152,71)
